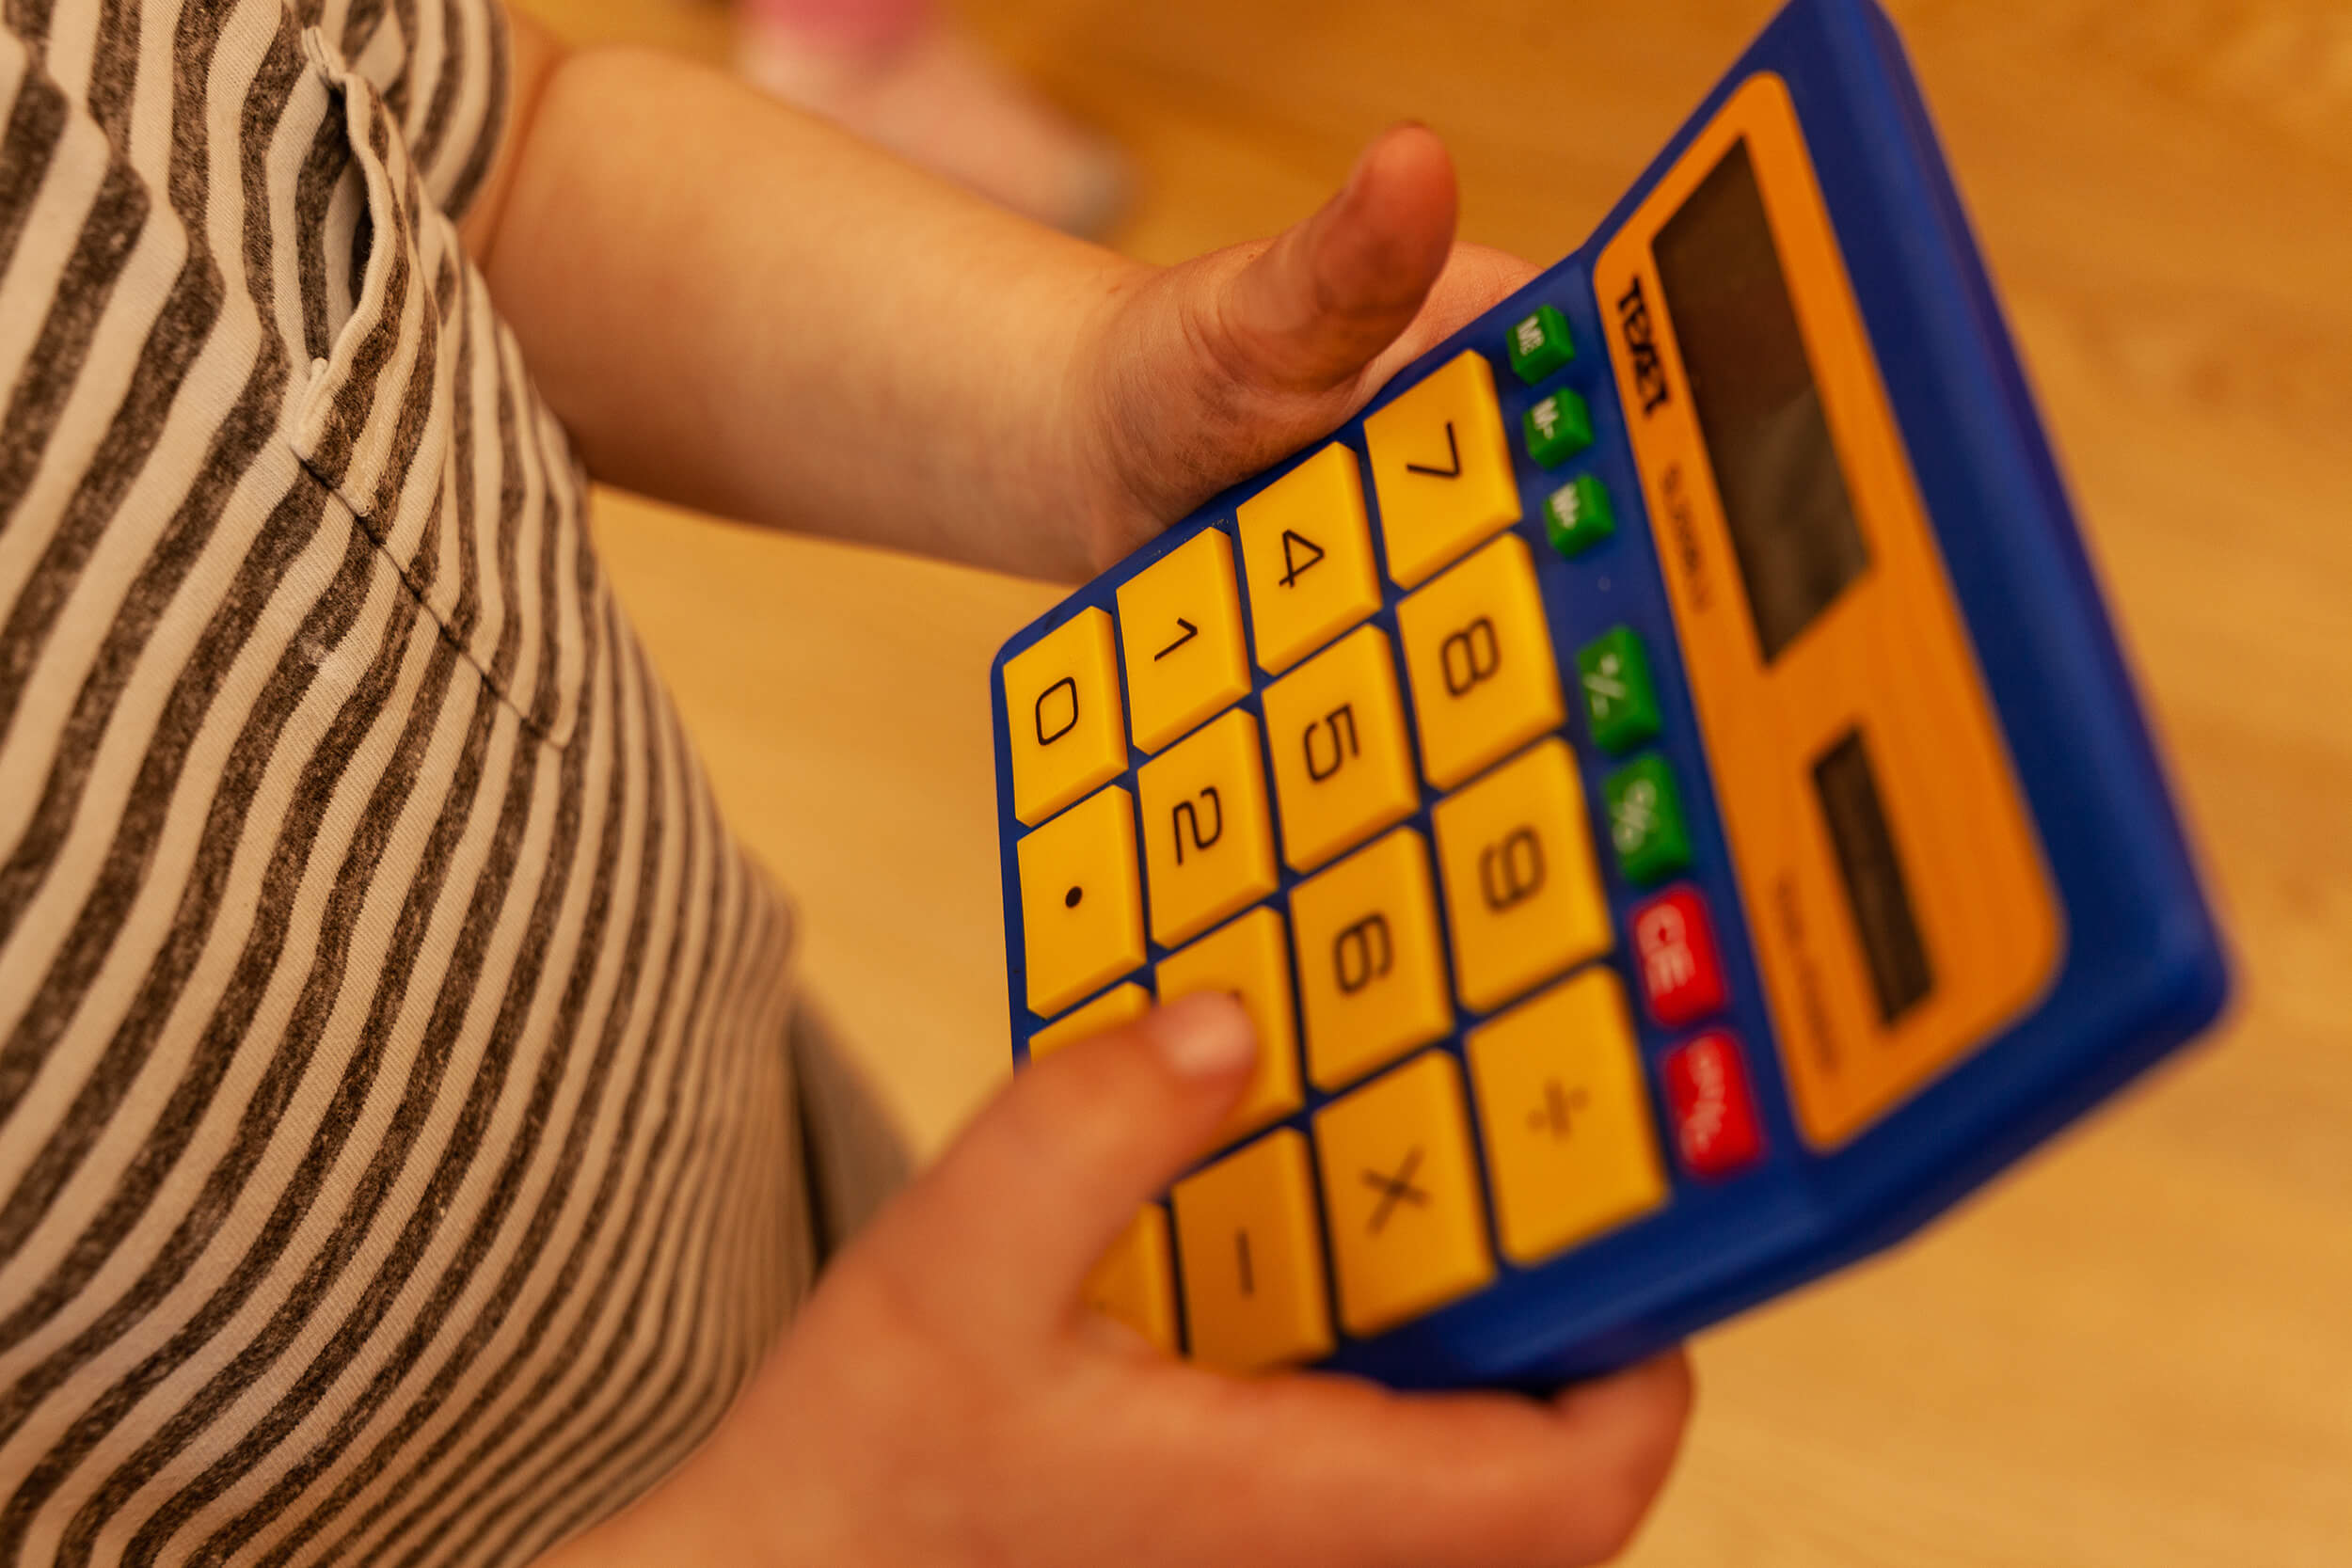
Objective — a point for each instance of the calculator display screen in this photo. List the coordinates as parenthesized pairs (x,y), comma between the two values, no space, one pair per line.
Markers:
(1760,413)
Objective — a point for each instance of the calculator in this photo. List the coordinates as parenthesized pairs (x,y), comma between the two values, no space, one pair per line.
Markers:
(1660,780)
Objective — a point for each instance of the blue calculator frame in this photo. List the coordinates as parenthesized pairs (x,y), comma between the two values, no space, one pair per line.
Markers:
(2141,969)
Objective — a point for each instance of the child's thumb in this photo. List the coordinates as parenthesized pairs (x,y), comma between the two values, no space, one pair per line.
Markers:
(1313,310)
(1022,1206)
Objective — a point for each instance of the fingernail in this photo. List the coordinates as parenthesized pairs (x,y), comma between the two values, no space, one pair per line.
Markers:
(1205,1036)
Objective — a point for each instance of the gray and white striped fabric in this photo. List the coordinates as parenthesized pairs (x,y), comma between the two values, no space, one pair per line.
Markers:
(397,1152)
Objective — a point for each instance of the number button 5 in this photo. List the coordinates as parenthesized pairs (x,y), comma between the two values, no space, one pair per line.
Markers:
(1306,551)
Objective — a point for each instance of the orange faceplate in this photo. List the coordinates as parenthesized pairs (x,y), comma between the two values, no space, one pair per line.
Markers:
(1888,657)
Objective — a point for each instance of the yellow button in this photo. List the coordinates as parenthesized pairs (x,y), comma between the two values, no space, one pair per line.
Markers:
(1180,629)
(1479,656)
(1207,844)
(1123,1004)
(1134,1282)
(1062,715)
(1521,886)
(1441,466)
(1306,550)
(1343,764)
(1249,960)
(1252,1257)
(1408,1233)
(1081,912)
(1370,964)
(1569,1144)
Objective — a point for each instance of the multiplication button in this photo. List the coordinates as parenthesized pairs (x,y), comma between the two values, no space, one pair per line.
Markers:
(1409,1230)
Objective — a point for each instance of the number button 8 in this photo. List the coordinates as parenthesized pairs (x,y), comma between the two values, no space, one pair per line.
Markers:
(1480,662)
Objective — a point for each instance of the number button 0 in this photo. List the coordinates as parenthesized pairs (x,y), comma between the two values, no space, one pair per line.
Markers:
(1567,1122)
(1208,847)
(1306,550)
(1081,912)
(1371,963)
(1343,767)
(1252,1258)
(1180,629)
(1521,886)
(1062,718)
(1485,681)
(1441,466)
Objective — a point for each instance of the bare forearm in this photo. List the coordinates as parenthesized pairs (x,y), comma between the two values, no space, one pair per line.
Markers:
(742,309)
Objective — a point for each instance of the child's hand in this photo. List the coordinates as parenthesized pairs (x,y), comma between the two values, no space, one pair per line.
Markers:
(1200,374)
(945,1399)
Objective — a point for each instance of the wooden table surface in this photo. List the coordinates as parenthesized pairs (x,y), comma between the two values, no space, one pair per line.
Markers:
(2136,1350)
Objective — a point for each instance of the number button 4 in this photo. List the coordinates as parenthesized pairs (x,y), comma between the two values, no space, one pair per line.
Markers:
(1306,551)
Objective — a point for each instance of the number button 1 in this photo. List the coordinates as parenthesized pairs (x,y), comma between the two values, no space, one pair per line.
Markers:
(1306,550)
(1062,718)
(1479,658)
(1521,886)
(1180,629)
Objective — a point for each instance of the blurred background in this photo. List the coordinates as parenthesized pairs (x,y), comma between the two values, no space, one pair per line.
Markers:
(2136,1350)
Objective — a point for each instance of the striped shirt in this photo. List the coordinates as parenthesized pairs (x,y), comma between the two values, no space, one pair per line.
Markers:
(397,1149)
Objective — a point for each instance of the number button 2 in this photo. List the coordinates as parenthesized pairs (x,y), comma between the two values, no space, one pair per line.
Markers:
(1306,550)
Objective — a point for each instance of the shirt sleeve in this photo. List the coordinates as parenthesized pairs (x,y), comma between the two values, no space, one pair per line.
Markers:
(443,66)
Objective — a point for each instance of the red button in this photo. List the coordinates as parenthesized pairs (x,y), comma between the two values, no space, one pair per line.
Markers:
(1706,1086)
(1674,947)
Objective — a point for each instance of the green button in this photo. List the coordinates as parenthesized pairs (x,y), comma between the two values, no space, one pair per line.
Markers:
(1540,344)
(1577,516)
(1645,820)
(1614,672)
(1558,428)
